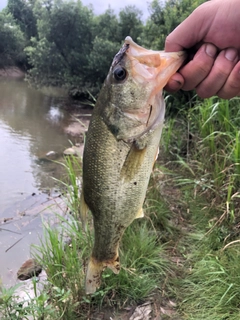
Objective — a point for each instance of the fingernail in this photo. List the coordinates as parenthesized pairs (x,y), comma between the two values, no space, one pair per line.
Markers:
(179,83)
(231,54)
(211,50)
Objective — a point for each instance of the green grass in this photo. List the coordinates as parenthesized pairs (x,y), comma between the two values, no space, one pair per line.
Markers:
(64,253)
(210,279)
(210,288)
(186,249)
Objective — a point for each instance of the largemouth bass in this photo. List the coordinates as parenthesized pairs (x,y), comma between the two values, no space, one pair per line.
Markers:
(121,148)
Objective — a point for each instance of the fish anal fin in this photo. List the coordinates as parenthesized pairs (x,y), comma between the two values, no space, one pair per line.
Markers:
(140,214)
(83,210)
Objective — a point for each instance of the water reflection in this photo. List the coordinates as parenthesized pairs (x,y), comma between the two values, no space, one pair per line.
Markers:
(55,115)
(15,166)
(31,125)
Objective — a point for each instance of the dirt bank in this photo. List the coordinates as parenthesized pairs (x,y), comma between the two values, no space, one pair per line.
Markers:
(12,72)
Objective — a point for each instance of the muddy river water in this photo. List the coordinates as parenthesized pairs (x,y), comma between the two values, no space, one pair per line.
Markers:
(32,124)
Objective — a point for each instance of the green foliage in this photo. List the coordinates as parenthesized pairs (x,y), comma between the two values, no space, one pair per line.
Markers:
(67,46)
(12,42)
(130,23)
(217,121)
(14,306)
(209,170)
(164,17)
(106,26)
(22,12)
(99,59)
(210,289)
(60,56)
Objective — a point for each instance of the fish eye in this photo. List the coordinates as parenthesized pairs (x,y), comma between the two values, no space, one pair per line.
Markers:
(119,74)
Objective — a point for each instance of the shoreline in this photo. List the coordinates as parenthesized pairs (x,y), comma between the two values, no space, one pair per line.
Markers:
(12,73)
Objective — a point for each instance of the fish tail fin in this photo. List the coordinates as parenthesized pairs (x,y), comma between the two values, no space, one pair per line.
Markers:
(94,272)
(93,277)
(114,265)
(83,211)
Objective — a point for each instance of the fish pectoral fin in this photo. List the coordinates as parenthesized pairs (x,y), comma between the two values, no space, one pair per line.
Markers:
(133,162)
(83,210)
(140,214)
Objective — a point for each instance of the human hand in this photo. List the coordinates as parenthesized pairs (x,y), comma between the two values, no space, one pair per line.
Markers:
(215,68)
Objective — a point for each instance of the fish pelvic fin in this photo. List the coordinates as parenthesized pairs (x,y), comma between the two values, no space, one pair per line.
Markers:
(94,272)
(83,209)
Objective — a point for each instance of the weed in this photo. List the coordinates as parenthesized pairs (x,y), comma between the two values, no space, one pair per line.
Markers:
(186,247)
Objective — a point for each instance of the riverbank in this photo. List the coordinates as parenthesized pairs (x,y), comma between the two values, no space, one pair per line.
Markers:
(12,73)
(181,262)
(35,130)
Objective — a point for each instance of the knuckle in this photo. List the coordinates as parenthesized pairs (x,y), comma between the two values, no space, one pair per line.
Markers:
(222,71)
(203,68)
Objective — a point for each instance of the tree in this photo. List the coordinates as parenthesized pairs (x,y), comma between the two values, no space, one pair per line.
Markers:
(100,59)
(164,17)
(106,26)
(12,42)
(60,54)
(130,23)
(22,12)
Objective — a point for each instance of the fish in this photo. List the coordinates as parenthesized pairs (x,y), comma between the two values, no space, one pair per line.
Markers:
(121,146)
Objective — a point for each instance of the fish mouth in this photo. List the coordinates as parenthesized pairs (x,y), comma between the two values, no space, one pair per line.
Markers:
(155,67)
(150,64)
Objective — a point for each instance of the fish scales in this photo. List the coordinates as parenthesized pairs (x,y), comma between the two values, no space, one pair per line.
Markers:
(120,150)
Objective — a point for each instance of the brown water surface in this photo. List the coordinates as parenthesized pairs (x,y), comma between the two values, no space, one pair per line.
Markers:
(31,125)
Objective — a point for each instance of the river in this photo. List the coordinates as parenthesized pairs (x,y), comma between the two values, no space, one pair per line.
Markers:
(32,124)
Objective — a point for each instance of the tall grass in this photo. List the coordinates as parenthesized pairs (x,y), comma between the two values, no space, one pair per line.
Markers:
(211,137)
(187,247)
(209,171)
(65,250)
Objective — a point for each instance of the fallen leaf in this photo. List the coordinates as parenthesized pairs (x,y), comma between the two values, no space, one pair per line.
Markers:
(142,312)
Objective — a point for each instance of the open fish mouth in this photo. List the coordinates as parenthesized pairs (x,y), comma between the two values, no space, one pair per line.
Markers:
(152,69)
(152,64)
